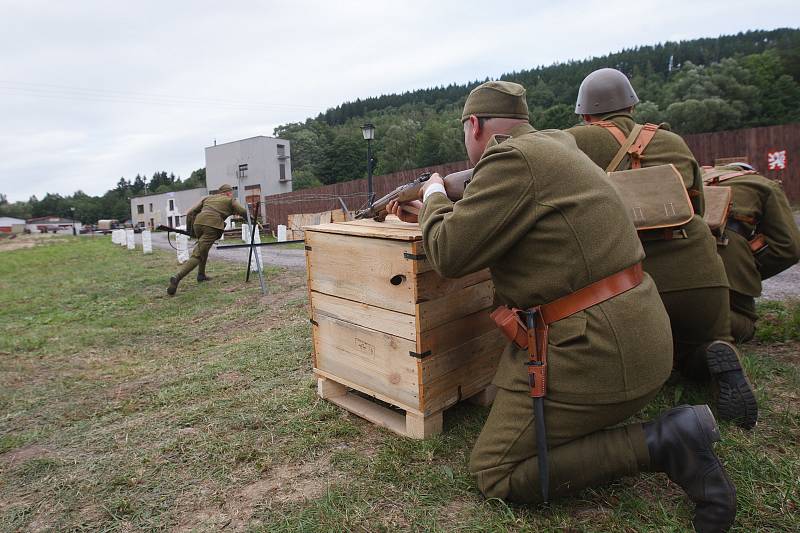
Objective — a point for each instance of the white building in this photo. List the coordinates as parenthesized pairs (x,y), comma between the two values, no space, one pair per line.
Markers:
(256,167)
(12,225)
(167,208)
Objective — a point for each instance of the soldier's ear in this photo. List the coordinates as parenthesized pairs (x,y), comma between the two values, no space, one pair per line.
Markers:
(475,126)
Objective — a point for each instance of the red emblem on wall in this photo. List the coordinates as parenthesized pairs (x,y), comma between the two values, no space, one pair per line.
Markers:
(776,160)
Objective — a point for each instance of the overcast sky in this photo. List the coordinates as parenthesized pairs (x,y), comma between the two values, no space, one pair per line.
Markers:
(94,90)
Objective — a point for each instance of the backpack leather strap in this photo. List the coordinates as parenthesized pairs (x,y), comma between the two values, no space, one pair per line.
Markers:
(633,145)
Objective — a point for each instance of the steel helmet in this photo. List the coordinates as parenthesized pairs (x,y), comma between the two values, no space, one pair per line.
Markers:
(603,91)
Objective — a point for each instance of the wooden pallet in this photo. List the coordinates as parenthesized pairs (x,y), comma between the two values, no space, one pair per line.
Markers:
(410,423)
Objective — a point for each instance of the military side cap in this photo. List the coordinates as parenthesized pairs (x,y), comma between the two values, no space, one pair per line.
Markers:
(225,188)
(496,99)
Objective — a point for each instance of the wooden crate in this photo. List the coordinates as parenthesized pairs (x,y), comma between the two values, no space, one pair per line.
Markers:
(387,325)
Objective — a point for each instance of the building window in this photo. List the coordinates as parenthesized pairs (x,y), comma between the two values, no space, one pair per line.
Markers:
(151,208)
(177,220)
(281,150)
(242,171)
(172,205)
(140,209)
(282,170)
(152,223)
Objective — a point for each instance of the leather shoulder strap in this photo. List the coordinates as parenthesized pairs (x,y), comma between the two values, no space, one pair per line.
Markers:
(625,148)
(645,136)
(714,179)
(613,129)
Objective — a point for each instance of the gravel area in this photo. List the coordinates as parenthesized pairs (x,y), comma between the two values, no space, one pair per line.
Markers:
(785,285)
(273,255)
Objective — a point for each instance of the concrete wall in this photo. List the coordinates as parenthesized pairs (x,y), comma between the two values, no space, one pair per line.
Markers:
(263,158)
(157,208)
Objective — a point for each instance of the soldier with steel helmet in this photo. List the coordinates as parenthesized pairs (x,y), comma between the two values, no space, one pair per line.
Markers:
(684,263)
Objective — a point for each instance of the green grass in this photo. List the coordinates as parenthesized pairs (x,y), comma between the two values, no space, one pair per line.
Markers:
(123,409)
(779,321)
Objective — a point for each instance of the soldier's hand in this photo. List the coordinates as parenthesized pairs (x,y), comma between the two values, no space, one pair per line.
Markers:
(396,208)
(435,178)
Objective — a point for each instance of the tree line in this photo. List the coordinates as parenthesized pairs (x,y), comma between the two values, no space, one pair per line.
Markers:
(113,204)
(703,85)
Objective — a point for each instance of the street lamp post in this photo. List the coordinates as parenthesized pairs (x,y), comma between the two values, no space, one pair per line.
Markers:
(368,130)
(74,232)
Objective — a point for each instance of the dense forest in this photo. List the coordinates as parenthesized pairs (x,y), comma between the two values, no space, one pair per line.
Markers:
(710,84)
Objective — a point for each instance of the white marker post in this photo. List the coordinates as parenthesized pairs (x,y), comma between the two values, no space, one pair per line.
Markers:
(122,240)
(130,238)
(183,248)
(147,242)
(281,233)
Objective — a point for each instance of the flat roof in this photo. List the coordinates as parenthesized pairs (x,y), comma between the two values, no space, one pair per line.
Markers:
(247,139)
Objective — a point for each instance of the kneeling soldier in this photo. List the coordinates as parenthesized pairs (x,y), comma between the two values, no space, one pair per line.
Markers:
(209,222)
(684,264)
(540,215)
(762,239)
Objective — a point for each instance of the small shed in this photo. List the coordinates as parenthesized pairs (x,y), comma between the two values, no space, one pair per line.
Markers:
(11,225)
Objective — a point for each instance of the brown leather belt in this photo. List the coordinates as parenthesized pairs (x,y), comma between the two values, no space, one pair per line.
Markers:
(510,321)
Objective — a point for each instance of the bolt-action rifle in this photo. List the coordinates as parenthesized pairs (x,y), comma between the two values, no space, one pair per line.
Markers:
(162,227)
(454,185)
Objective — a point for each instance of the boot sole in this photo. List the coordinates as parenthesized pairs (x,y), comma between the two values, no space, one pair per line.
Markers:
(736,401)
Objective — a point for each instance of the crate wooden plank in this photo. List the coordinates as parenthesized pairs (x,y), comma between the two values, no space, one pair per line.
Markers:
(431,286)
(452,334)
(391,229)
(375,273)
(486,347)
(384,320)
(454,305)
(378,361)
(471,378)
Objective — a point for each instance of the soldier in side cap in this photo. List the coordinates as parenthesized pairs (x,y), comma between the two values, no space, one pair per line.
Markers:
(208,224)
(540,215)
(761,239)
(688,272)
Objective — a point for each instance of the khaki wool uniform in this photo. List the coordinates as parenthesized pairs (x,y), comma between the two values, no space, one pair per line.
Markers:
(209,223)
(540,215)
(760,206)
(688,272)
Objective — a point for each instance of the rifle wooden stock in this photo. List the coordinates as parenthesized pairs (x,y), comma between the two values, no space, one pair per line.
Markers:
(454,185)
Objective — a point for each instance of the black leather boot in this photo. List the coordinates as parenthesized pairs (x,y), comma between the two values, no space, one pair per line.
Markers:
(202,277)
(680,444)
(736,401)
(173,285)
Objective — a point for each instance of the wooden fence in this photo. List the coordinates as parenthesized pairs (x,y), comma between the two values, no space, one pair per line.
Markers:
(755,144)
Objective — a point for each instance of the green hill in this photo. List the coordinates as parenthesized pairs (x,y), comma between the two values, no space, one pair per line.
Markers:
(710,84)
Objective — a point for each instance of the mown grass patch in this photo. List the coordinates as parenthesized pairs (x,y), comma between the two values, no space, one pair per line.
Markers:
(123,409)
